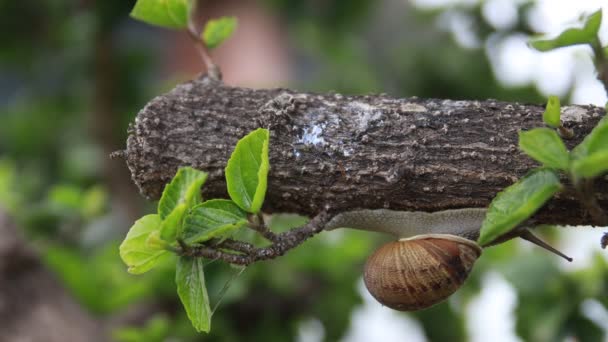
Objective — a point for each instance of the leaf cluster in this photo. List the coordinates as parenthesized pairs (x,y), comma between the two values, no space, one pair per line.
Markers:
(586,35)
(175,14)
(586,161)
(184,219)
(518,202)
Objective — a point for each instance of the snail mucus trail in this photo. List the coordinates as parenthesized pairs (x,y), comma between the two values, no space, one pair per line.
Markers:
(433,256)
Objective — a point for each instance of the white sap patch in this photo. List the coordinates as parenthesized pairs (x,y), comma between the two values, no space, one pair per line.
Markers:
(455,104)
(347,152)
(572,113)
(413,107)
(365,113)
(313,135)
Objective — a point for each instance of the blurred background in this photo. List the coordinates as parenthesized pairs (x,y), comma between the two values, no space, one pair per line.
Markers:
(73,75)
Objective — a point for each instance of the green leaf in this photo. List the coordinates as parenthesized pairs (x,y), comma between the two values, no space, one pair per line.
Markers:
(192,291)
(135,251)
(184,188)
(545,146)
(214,218)
(193,193)
(574,36)
(171,226)
(166,13)
(552,112)
(518,202)
(589,156)
(218,30)
(247,171)
(591,166)
(155,242)
(595,141)
(567,38)
(593,23)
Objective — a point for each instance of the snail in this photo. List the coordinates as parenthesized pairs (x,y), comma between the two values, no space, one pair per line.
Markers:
(432,258)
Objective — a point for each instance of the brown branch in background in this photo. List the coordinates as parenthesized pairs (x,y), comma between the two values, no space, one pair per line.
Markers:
(194,32)
(247,254)
(105,119)
(34,306)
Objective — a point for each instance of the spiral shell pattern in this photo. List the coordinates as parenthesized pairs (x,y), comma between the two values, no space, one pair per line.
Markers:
(415,273)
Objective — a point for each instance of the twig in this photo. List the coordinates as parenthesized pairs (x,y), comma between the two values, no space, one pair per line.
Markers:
(257,223)
(238,246)
(248,254)
(183,247)
(213,71)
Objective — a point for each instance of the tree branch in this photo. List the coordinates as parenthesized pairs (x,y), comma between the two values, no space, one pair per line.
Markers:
(242,253)
(335,153)
(234,245)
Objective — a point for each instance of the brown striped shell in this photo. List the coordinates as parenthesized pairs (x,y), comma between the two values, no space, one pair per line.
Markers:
(415,273)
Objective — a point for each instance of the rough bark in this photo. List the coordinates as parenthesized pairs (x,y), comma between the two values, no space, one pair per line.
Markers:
(337,153)
(33,305)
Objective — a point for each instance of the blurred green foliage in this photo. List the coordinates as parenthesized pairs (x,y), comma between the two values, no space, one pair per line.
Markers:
(588,34)
(157,329)
(84,65)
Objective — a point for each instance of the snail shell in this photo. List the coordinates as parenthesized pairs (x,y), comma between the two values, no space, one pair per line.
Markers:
(418,272)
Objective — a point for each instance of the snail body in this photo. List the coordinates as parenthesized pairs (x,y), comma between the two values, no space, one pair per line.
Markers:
(432,258)
(405,224)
